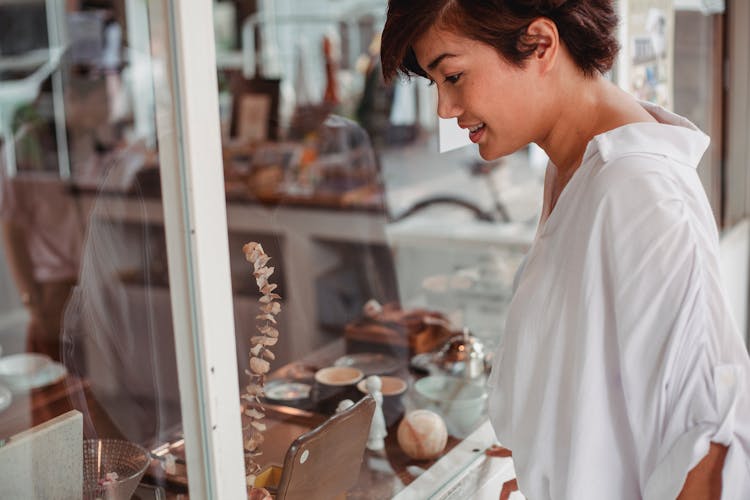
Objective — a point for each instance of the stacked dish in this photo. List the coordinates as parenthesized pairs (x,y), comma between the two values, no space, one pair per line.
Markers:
(5,397)
(370,363)
(26,371)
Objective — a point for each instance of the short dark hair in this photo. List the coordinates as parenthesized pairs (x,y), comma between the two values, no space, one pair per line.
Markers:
(586,27)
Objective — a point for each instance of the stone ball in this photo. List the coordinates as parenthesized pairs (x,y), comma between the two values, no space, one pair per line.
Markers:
(422,434)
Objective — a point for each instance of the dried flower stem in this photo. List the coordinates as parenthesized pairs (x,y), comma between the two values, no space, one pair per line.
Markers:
(259,357)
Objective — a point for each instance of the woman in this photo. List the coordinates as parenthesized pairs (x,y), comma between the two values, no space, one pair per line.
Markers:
(621,374)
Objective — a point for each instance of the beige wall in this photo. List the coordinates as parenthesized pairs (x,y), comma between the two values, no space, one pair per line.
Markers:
(737,180)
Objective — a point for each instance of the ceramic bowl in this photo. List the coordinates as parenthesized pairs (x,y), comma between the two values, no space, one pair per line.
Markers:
(392,386)
(461,402)
(338,376)
(332,385)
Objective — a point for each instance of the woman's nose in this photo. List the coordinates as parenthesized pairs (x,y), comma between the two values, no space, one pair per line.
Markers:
(448,106)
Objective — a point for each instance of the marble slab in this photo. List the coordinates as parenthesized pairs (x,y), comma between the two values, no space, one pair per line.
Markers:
(44,462)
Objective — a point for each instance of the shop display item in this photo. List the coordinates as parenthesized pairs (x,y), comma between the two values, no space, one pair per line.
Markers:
(371,363)
(344,405)
(112,468)
(332,384)
(260,357)
(19,367)
(27,371)
(422,434)
(393,389)
(461,402)
(378,431)
(338,376)
(391,386)
(325,462)
(397,331)
(462,356)
(286,390)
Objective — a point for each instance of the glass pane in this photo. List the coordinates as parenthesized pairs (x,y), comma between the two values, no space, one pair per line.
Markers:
(85,321)
(385,251)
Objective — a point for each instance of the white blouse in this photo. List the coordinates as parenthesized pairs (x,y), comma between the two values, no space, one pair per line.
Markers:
(621,361)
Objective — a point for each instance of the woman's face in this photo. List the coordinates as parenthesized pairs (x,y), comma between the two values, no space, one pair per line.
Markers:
(495,100)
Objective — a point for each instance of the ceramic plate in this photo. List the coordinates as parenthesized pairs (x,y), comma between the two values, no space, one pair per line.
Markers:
(5,398)
(284,390)
(23,365)
(371,363)
(19,369)
(50,374)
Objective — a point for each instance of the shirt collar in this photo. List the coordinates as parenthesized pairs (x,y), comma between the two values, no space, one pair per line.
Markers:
(674,136)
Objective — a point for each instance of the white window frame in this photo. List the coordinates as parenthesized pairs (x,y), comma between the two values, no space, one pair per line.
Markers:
(192,182)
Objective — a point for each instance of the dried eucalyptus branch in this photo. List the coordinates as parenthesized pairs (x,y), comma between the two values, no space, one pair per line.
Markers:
(260,357)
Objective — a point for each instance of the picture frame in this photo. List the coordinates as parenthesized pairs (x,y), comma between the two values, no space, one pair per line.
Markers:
(255,108)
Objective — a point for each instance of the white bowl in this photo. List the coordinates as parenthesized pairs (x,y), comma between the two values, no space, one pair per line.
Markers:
(461,402)
(19,369)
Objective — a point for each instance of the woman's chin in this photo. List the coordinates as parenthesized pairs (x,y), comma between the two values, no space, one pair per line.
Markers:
(488,154)
(489,151)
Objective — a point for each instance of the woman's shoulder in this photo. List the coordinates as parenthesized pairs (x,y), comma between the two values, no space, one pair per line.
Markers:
(651,191)
(638,180)
(665,153)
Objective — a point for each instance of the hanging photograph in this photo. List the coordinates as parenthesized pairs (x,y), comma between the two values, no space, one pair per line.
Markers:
(252,117)
(647,40)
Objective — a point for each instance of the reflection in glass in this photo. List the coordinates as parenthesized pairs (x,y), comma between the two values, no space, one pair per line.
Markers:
(386,248)
(85,321)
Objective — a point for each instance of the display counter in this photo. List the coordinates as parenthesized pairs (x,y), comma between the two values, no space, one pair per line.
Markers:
(463,470)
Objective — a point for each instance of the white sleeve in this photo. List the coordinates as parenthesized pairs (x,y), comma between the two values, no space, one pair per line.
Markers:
(683,364)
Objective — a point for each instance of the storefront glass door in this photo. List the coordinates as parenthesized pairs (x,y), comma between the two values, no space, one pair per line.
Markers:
(111,270)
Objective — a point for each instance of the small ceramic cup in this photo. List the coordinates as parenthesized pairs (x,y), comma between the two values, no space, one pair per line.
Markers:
(393,389)
(332,384)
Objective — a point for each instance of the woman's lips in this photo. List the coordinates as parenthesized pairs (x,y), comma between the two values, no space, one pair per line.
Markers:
(476,135)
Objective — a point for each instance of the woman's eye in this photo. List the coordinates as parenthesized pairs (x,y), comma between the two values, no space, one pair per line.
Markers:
(432,82)
(453,79)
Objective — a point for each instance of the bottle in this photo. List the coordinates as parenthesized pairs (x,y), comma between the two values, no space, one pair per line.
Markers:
(332,57)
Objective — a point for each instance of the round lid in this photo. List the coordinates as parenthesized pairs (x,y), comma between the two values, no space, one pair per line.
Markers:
(462,347)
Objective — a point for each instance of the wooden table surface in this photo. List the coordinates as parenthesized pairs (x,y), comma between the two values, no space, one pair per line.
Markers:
(382,474)
(33,407)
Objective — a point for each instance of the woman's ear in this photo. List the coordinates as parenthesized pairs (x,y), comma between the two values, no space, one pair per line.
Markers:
(543,32)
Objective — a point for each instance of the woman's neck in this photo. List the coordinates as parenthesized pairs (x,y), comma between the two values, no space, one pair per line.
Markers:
(574,122)
(584,108)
